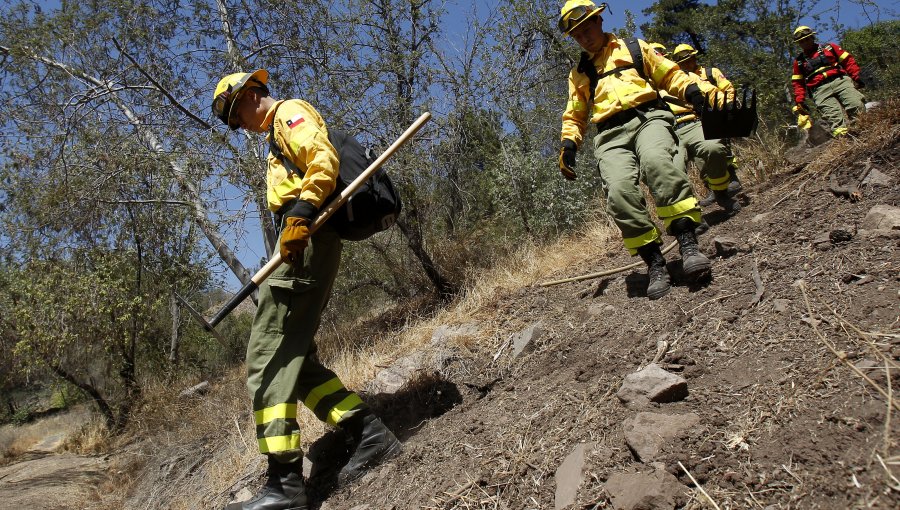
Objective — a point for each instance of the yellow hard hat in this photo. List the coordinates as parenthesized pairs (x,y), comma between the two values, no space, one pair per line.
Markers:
(683,52)
(659,48)
(802,32)
(228,89)
(576,12)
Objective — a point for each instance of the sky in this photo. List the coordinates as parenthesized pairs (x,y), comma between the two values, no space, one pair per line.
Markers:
(852,14)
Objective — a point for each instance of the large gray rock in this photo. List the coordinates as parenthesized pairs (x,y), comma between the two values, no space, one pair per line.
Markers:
(570,475)
(882,217)
(523,341)
(647,433)
(444,333)
(637,491)
(652,384)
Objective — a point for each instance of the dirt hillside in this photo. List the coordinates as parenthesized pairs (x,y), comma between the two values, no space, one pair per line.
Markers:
(800,292)
(778,375)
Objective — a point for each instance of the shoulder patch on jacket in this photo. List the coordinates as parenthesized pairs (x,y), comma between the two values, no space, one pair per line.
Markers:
(295,121)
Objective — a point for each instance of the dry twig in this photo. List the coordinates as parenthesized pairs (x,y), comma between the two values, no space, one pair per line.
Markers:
(840,354)
(699,487)
(760,288)
(608,272)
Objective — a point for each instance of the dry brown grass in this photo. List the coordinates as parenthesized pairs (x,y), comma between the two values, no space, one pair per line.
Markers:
(16,440)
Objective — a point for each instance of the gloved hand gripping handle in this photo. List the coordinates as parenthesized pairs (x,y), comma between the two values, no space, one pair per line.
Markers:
(323,216)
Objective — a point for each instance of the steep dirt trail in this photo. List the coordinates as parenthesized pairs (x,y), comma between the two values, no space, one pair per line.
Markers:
(784,423)
(50,482)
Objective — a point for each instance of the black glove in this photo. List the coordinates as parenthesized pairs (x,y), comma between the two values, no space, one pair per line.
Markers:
(859,84)
(301,209)
(698,102)
(567,159)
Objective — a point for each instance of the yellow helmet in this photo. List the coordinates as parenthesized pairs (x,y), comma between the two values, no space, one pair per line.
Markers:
(659,48)
(802,32)
(576,12)
(228,89)
(683,52)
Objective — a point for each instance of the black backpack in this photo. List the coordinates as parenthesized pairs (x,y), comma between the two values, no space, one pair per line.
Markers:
(373,207)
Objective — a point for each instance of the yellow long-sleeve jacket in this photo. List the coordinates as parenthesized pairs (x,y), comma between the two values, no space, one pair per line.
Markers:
(622,90)
(303,137)
(716,78)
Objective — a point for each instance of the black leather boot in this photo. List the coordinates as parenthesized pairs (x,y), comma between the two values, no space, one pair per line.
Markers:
(693,262)
(726,202)
(370,444)
(284,490)
(656,270)
(708,200)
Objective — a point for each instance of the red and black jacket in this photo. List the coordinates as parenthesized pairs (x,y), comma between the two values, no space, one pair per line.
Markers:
(825,63)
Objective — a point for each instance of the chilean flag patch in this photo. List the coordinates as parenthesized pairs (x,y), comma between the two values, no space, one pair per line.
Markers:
(296,121)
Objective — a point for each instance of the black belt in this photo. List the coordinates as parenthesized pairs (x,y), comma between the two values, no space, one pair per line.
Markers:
(624,116)
(826,80)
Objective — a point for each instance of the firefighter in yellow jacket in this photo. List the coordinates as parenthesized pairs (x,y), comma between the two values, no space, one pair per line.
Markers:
(686,57)
(635,139)
(281,356)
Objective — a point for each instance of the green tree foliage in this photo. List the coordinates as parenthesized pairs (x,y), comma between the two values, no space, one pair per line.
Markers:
(874,48)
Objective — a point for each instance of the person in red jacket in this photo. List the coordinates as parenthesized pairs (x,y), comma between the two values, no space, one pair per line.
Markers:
(831,76)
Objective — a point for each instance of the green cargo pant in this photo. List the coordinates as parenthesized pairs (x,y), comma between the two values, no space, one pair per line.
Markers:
(711,156)
(645,148)
(281,363)
(831,97)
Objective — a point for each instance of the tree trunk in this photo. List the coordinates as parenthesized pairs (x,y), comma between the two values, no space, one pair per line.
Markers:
(409,226)
(92,392)
(176,329)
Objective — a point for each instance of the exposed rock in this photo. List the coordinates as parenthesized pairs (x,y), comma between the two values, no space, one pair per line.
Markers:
(444,333)
(882,217)
(725,246)
(195,391)
(570,475)
(647,433)
(653,384)
(637,491)
(524,340)
(761,217)
(876,178)
(781,305)
(840,236)
(392,378)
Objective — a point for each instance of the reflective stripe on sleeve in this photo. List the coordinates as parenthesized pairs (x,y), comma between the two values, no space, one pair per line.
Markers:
(796,77)
(576,106)
(843,56)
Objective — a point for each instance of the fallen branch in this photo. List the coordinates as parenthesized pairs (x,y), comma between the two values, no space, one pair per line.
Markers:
(608,272)
(760,288)
(795,193)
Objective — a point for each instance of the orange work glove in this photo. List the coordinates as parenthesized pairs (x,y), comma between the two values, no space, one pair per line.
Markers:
(294,239)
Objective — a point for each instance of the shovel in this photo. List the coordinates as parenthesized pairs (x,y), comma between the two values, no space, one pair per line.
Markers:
(731,120)
(323,216)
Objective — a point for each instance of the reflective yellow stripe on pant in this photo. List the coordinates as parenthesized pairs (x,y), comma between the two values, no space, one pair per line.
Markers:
(281,362)
(643,147)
